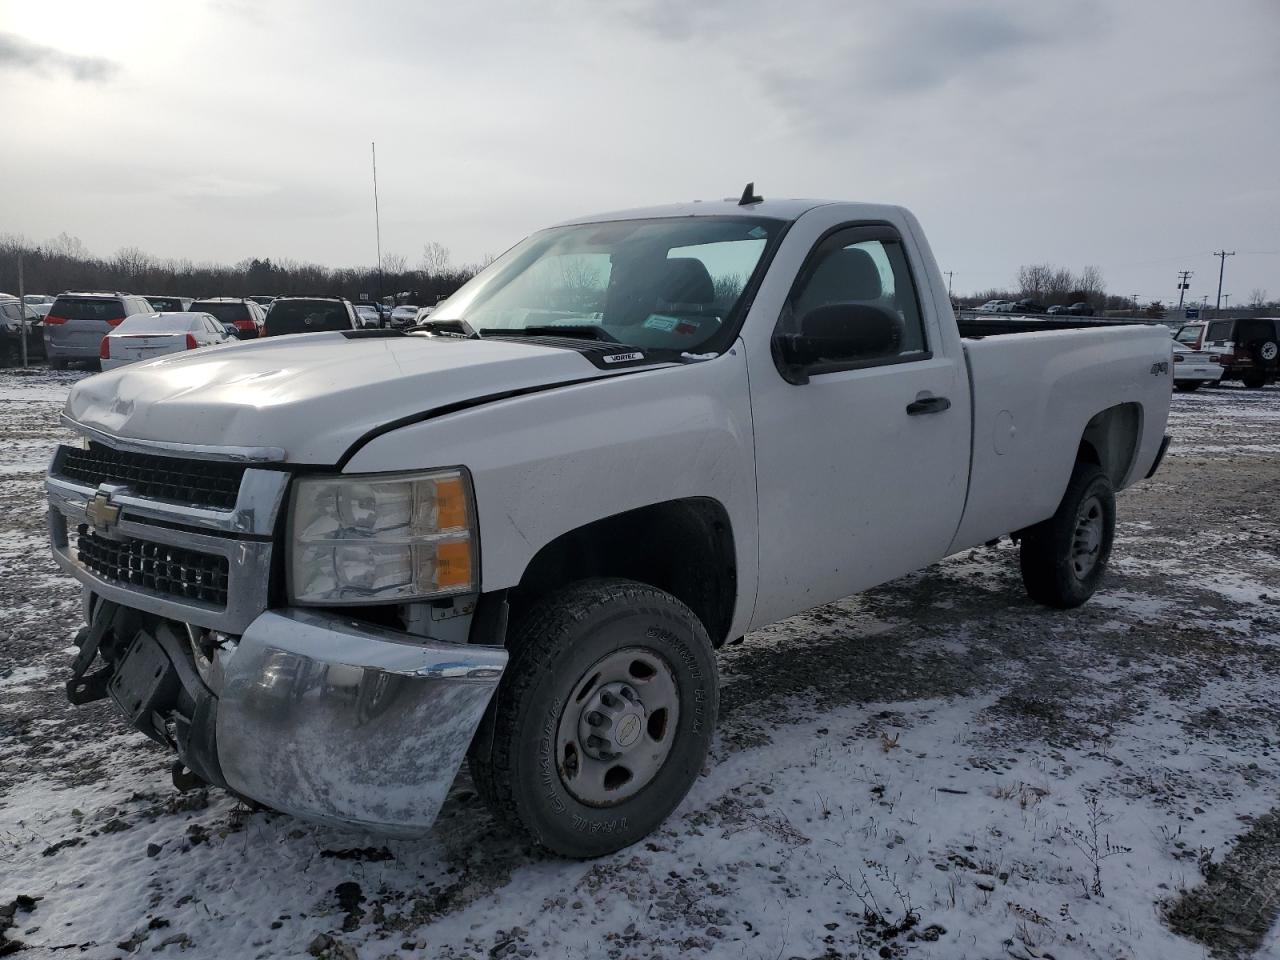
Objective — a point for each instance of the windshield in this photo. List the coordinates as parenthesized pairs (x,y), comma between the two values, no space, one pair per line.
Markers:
(659,284)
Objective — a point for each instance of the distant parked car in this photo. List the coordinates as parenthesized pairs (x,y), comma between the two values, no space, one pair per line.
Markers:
(1248,348)
(1192,369)
(37,299)
(1028,306)
(403,316)
(145,336)
(169,304)
(11,315)
(1080,309)
(370,316)
(996,306)
(262,300)
(1058,309)
(245,314)
(309,315)
(77,322)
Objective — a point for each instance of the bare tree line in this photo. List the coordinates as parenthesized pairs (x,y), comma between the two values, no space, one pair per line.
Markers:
(64,263)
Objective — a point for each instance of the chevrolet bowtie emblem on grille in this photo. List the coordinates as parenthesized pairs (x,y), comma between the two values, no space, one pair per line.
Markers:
(101,512)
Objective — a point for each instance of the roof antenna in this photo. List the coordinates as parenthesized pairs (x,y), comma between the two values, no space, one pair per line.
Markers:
(749,195)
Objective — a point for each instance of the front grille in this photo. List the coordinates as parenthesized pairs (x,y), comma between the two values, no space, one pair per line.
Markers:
(172,571)
(206,483)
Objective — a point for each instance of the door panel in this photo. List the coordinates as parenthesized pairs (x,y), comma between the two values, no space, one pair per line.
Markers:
(853,489)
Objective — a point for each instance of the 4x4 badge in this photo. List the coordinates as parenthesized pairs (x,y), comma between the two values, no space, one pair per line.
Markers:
(101,512)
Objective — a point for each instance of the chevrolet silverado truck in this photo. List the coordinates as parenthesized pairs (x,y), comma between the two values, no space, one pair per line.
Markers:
(327,569)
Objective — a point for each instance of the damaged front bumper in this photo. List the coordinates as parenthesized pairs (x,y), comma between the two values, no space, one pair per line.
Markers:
(309,713)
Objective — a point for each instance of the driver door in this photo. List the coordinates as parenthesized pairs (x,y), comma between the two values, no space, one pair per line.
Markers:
(861,470)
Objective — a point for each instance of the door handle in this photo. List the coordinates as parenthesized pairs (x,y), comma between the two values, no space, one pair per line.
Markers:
(928,405)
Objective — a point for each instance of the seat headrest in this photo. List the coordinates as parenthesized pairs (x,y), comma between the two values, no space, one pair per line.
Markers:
(842,275)
(686,280)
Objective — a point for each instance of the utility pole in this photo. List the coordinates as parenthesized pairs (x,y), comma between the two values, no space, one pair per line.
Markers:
(1184,277)
(1222,263)
(377,221)
(1226,301)
(949,274)
(1135,303)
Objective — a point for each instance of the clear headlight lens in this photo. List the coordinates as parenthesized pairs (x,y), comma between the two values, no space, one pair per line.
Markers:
(379,539)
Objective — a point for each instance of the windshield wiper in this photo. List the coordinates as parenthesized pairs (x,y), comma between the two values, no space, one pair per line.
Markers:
(576,331)
(448,328)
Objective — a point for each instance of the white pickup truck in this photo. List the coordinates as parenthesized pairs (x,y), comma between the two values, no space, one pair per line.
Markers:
(326,568)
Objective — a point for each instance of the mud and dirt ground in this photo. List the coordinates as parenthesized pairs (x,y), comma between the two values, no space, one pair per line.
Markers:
(937,768)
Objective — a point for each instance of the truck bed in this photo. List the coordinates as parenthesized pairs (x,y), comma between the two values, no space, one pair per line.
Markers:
(975,328)
(1033,397)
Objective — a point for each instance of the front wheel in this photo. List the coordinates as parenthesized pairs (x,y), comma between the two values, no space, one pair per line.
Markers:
(57,363)
(1254,379)
(1188,385)
(602,720)
(1064,558)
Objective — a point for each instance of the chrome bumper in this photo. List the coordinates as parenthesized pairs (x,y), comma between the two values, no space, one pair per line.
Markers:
(348,723)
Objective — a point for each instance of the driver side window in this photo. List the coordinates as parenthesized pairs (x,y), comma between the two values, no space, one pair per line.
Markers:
(855,286)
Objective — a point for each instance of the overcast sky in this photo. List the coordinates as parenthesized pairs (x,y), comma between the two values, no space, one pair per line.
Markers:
(1139,135)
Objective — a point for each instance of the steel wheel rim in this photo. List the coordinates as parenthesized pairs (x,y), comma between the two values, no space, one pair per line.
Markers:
(617,727)
(1086,541)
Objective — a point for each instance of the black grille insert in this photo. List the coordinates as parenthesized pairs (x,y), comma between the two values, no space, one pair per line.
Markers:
(173,571)
(207,483)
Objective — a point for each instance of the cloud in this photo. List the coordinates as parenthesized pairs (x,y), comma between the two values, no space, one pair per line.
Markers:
(17,53)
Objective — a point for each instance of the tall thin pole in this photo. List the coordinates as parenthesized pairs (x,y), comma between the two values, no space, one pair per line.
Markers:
(377,220)
(1184,277)
(1222,262)
(22,310)
(949,273)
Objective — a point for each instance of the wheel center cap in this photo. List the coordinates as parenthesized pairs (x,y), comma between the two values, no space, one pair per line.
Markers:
(628,729)
(612,721)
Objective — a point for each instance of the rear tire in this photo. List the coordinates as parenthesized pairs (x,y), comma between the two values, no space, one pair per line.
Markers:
(1188,385)
(1063,559)
(1254,379)
(611,657)
(57,363)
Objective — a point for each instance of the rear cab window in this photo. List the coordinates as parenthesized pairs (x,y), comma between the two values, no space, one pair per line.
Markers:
(1219,330)
(306,316)
(226,312)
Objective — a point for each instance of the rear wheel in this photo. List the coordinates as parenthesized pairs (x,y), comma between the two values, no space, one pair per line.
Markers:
(1253,379)
(1064,558)
(602,720)
(1188,385)
(57,363)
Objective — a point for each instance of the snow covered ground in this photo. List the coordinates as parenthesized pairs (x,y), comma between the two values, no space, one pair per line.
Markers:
(934,769)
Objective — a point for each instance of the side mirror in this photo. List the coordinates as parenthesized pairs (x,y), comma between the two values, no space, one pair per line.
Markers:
(837,334)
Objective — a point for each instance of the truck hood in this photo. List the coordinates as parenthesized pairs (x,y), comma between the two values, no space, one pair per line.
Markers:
(312,395)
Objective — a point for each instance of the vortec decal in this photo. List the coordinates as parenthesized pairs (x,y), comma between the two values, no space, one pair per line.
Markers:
(622,357)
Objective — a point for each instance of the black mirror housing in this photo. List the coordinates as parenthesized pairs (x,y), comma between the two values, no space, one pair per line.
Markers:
(836,334)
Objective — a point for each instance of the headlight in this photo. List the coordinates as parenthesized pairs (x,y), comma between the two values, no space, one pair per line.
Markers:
(379,539)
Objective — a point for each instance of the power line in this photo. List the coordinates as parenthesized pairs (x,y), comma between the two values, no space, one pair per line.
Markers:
(1222,264)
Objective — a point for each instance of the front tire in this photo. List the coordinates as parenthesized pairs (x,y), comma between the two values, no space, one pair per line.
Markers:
(1188,385)
(1254,379)
(603,718)
(1063,559)
(57,363)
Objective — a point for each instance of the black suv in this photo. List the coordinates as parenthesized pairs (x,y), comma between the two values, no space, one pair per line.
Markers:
(309,315)
(77,322)
(11,316)
(1247,348)
(242,313)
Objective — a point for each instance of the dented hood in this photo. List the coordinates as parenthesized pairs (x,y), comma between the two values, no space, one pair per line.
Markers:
(312,395)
